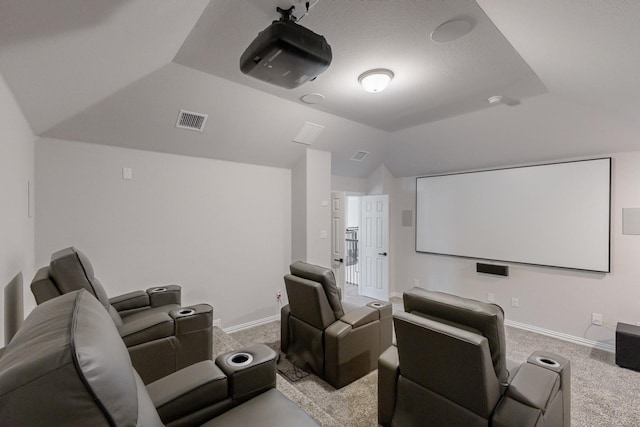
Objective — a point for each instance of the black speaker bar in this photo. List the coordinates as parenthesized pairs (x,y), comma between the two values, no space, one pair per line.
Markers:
(498,270)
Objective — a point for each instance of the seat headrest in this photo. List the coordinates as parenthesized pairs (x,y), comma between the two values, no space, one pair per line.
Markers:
(325,277)
(71,270)
(67,365)
(487,319)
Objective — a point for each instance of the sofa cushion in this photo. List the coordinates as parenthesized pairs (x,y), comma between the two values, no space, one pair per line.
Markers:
(477,316)
(325,277)
(270,409)
(71,270)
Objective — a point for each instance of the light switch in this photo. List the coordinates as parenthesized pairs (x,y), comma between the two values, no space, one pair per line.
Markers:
(323,234)
(127,173)
(324,203)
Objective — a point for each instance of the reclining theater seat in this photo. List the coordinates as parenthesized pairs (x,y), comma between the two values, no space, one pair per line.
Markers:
(449,368)
(319,335)
(67,366)
(162,337)
(76,274)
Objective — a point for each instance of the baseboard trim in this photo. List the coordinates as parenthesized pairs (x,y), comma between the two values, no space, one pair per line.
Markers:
(565,337)
(243,326)
(395,294)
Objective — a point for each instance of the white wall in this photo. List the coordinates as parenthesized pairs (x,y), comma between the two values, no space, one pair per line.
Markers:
(16,228)
(318,207)
(557,300)
(349,184)
(299,209)
(221,229)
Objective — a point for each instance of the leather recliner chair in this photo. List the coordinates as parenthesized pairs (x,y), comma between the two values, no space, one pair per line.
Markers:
(67,366)
(161,336)
(450,368)
(339,343)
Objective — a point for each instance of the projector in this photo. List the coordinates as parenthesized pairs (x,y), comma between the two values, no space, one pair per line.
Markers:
(286,54)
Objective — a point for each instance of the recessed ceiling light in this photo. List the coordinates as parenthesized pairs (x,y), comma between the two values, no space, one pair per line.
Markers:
(375,80)
(312,98)
(452,30)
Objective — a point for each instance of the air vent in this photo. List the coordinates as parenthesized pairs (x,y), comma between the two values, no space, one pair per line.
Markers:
(190,120)
(308,133)
(359,155)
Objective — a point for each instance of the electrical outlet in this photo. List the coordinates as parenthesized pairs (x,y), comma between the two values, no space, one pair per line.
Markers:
(515,302)
(491,297)
(278,295)
(596,319)
(416,282)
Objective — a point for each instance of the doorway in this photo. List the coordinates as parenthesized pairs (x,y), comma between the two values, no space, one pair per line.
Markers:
(361,264)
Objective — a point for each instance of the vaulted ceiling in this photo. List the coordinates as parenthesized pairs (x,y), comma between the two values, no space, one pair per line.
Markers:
(117,72)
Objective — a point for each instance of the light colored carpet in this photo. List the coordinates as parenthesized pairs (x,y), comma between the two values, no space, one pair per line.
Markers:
(603,394)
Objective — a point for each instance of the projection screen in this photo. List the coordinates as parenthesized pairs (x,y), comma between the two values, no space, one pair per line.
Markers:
(555,215)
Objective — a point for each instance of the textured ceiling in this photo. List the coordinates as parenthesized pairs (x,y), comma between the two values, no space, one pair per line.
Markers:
(432,80)
(117,72)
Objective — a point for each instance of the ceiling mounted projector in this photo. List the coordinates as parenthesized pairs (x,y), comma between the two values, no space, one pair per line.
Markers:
(286,54)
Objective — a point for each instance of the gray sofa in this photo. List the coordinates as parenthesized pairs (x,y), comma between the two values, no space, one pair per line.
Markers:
(68,366)
(449,368)
(161,336)
(337,342)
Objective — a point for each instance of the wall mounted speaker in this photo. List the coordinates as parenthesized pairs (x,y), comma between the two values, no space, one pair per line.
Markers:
(498,270)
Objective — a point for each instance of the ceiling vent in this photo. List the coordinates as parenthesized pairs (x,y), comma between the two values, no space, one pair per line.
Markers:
(308,133)
(190,120)
(359,155)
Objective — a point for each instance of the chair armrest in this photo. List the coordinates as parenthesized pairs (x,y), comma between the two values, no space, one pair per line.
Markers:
(130,301)
(189,390)
(562,366)
(165,295)
(360,316)
(251,371)
(285,313)
(351,350)
(148,328)
(388,373)
(192,318)
(532,393)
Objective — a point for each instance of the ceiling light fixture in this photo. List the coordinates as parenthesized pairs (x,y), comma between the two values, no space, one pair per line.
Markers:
(375,80)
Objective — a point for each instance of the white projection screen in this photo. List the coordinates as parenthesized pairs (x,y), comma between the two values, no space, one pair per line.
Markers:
(555,215)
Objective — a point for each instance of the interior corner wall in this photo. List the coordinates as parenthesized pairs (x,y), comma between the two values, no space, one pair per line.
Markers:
(16,228)
(220,229)
(551,299)
(299,210)
(318,207)
(380,181)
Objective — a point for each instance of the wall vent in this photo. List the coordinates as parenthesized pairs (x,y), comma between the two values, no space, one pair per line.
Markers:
(359,155)
(190,120)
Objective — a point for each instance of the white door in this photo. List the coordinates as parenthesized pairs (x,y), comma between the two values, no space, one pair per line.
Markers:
(374,243)
(337,237)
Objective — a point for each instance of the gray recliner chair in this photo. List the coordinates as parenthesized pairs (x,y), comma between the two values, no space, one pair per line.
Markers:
(161,336)
(339,343)
(67,366)
(449,368)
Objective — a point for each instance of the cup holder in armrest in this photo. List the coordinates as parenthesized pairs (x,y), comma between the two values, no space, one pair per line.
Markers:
(377,304)
(186,312)
(546,361)
(162,289)
(239,359)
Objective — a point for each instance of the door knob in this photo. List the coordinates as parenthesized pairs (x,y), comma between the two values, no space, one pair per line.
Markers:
(382,253)
(339,260)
